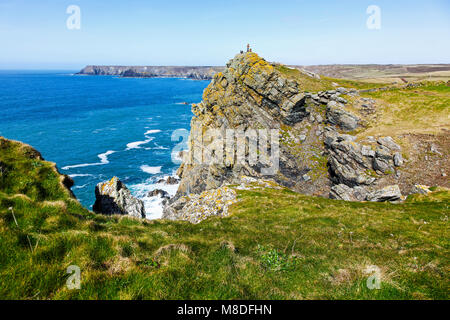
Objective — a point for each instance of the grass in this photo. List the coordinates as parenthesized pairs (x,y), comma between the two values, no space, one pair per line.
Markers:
(306,83)
(276,245)
(424,109)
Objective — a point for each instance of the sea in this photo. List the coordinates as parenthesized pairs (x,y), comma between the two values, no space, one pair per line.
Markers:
(97,127)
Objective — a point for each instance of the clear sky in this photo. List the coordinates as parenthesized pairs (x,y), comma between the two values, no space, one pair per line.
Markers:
(34,34)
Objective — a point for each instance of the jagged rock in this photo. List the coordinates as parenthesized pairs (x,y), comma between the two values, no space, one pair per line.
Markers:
(342,90)
(170,180)
(389,193)
(367,151)
(341,192)
(159,193)
(347,163)
(383,153)
(398,159)
(344,192)
(341,100)
(360,193)
(249,94)
(420,189)
(338,116)
(113,197)
(383,160)
(381,165)
(389,143)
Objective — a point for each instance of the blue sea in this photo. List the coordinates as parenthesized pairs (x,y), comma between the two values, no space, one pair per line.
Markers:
(97,127)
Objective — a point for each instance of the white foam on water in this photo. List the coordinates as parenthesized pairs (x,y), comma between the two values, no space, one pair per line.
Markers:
(152,131)
(158,147)
(103,160)
(150,170)
(80,175)
(80,187)
(153,205)
(137,144)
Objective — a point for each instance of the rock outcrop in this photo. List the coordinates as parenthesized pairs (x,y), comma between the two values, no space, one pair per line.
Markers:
(113,197)
(251,94)
(159,193)
(317,153)
(338,116)
(388,193)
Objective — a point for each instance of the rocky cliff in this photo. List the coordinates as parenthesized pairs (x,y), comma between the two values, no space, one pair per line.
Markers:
(196,73)
(252,95)
(318,125)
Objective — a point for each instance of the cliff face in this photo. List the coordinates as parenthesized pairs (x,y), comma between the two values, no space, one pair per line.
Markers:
(251,94)
(196,73)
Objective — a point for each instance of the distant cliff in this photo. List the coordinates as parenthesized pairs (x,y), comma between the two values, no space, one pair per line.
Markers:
(197,73)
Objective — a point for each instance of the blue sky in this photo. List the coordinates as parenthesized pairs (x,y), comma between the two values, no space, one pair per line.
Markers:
(33,34)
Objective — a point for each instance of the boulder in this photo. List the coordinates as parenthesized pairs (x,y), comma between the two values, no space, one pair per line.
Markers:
(342,90)
(159,193)
(383,160)
(336,115)
(389,193)
(367,151)
(398,159)
(344,192)
(169,180)
(341,192)
(381,165)
(113,197)
(389,143)
(348,165)
(420,189)
(172,180)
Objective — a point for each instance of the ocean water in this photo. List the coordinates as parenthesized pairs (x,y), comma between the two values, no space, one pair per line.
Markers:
(97,127)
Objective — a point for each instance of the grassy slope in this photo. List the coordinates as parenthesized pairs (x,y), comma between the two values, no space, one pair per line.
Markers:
(276,245)
(424,109)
